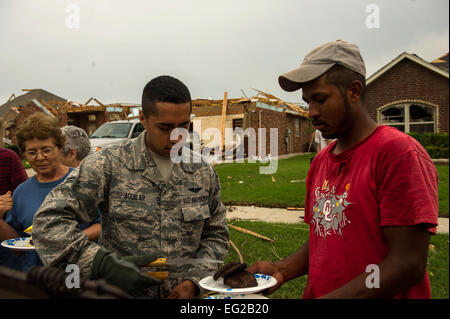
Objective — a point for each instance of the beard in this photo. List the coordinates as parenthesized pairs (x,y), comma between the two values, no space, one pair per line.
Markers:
(329,136)
(345,123)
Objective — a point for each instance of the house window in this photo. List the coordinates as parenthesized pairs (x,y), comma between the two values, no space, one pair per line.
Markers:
(409,117)
(237,123)
(297,127)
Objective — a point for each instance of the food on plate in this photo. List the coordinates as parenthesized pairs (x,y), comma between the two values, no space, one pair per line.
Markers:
(235,275)
(28,230)
(228,268)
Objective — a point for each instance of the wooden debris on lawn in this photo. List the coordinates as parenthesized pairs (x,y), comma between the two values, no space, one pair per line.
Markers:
(294,208)
(246,231)
(241,259)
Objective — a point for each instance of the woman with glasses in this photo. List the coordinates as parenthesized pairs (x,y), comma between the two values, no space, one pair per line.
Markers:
(41,142)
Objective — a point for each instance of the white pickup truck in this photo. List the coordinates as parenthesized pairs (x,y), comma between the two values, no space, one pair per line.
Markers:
(115,132)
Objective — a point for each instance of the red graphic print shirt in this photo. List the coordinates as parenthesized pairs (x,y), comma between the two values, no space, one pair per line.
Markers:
(387,179)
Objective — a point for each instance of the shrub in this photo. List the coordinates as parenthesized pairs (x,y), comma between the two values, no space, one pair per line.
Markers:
(436,144)
(25,164)
(14,148)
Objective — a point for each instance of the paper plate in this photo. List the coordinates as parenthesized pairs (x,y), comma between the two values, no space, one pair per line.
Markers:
(264,282)
(18,243)
(238,296)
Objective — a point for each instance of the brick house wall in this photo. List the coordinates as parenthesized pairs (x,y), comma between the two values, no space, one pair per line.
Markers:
(282,121)
(81,119)
(408,80)
(249,112)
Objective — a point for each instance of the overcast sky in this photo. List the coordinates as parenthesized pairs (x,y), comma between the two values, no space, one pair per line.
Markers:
(116,47)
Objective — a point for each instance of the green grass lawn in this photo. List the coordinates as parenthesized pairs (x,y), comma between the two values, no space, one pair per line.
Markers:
(443,190)
(289,237)
(242,184)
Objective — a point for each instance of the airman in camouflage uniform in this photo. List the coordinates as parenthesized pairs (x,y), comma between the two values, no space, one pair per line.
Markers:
(140,213)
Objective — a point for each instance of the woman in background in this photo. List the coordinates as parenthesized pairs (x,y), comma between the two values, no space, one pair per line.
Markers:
(77,147)
(40,140)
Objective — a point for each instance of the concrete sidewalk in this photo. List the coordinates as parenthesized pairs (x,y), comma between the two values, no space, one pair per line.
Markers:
(282,215)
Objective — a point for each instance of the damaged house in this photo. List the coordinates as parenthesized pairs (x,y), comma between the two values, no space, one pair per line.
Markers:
(263,114)
(84,115)
(263,111)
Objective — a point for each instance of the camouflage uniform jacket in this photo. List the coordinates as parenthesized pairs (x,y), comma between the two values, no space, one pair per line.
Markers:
(140,213)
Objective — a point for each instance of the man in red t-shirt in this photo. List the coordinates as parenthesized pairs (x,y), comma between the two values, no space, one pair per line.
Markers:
(371,199)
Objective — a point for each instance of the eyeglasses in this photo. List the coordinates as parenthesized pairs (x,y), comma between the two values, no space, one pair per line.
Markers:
(32,155)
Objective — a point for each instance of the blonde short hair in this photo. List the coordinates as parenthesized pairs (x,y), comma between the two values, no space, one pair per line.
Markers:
(42,127)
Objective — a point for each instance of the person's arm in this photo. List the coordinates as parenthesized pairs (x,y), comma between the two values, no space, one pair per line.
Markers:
(93,231)
(291,267)
(403,267)
(56,235)
(6,205)
(6,231)
(295,265)
(18,173)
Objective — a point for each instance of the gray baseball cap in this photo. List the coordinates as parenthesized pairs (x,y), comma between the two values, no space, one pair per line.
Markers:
(320,60)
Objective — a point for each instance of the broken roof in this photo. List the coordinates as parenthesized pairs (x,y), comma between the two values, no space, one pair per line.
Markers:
(86,107)
(24,99)
(47,109)
(273,100)
(209,107)
(442,62)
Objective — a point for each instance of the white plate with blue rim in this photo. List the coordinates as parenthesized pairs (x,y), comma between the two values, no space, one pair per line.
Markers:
(18,243)
(263,281)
